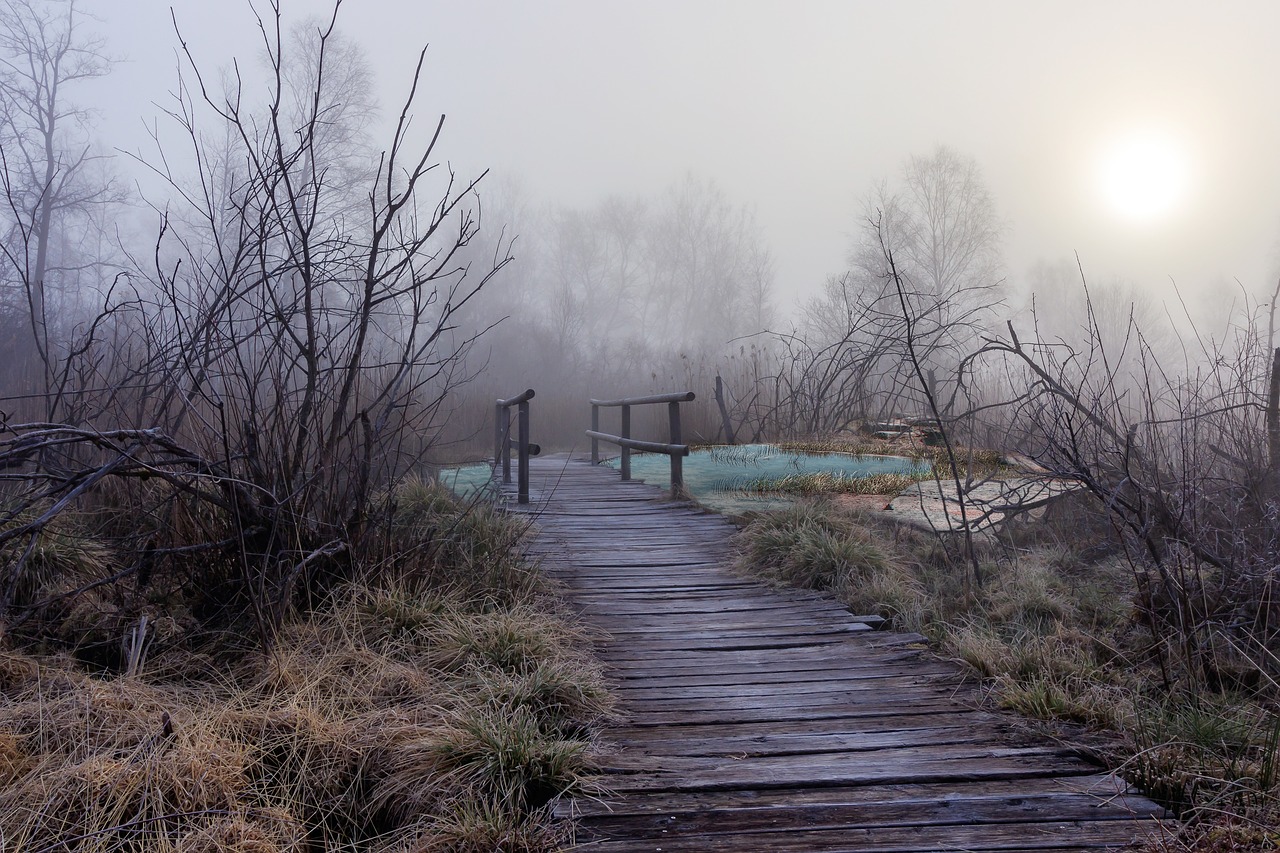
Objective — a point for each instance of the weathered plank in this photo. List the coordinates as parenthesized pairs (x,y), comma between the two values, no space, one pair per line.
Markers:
(960,809)
(1052,834)
(1100,788)
(759,718)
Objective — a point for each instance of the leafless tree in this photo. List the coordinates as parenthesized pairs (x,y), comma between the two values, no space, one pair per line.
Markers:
(710,278)
(294,350)
(847,361)
(1184,455)
(47,169)
(630,292)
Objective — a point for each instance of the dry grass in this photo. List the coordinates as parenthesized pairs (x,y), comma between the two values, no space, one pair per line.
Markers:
(809,547)
(413,712)
(62,557)
(1053,633)
(829,483)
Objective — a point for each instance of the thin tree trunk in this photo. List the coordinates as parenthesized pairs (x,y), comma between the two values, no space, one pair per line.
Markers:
(1273,414)
(730,437)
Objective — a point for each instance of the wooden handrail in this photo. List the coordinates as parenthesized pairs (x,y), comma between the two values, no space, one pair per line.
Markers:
(502,443)
(675,448)
(522,397)
(677,397)
(636,444)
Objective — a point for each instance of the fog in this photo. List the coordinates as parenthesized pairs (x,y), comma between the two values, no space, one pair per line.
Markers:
(632,198)
(798,110)
(263,280)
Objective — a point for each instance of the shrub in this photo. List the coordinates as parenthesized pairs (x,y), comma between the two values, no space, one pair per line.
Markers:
(395,709)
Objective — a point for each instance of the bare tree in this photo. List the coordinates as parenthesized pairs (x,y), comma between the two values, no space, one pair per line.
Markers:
(925,268)
(46,160)
(945,228)
(942,231)
(1184,457)
(295,350)
(710,276)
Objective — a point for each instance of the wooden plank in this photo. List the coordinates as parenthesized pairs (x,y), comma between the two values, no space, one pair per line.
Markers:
(655,674)
(845,698)
(711,599)
(639,753)
(978,838)
(679,737)
(674,647)
(738,616)
(843,649)
(917,706)
(646,592)
(739,622)
(962,809)
(781,687)
(762,718)
(1101,788)
(895,763)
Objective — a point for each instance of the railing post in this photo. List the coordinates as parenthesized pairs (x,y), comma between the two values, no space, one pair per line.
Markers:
(627,444)
(626,451)
(506,445)
(595,427)
(677,461)
(502,440)
(497,434)
(524,452)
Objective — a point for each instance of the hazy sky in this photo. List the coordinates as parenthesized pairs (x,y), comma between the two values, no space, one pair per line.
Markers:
(798,108)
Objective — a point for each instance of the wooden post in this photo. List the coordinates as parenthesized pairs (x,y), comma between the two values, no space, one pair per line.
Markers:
(506,445)
(497,435)
(524,452)
(677,461)
(595,427)
(626,451)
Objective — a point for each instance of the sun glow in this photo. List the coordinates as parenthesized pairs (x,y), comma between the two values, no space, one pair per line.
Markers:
(1144,178)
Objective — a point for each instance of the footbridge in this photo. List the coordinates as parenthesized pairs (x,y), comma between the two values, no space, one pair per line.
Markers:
(763,719)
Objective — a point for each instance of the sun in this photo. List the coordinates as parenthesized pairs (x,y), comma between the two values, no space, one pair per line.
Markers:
(1144,177)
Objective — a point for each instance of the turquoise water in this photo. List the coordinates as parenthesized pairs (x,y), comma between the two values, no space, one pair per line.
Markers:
(467,480)
(717,476)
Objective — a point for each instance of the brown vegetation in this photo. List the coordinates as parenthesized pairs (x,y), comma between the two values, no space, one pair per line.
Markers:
(1059,632)
(438,704)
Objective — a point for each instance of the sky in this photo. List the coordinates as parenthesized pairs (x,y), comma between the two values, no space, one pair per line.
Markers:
(798,109)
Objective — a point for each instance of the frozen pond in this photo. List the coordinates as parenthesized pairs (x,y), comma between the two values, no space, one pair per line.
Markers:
(721,478)
(466,480)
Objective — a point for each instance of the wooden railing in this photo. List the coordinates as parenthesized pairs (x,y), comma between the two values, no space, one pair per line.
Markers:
(503,445)
(675,449)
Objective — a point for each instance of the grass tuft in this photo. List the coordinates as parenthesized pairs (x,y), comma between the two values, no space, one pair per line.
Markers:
(436,705)
(807,546)
(471,824)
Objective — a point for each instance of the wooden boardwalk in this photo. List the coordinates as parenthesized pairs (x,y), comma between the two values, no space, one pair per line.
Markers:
(759,719)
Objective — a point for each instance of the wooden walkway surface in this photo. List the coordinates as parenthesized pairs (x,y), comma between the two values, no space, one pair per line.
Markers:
(759,719)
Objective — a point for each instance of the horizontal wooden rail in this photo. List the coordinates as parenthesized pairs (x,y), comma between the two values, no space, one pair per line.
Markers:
(674,448)
(636,444)
(503,444)
(522,397)
(677,397)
